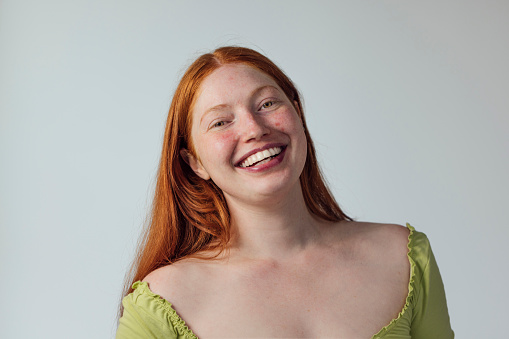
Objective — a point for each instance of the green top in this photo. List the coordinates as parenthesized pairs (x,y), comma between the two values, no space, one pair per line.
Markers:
(425,315)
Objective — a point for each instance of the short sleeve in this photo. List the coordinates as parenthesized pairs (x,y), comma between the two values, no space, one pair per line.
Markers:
(430,315)
(148,316)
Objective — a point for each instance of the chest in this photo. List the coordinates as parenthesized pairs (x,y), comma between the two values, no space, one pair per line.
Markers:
(353,301)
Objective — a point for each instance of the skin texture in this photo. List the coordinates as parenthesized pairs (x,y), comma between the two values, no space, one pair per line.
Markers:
(286,273)
(241,109)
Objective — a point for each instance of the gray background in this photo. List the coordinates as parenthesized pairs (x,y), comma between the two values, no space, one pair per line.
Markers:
(406,101)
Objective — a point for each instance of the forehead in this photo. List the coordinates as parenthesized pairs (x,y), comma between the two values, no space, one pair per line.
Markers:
(228,81)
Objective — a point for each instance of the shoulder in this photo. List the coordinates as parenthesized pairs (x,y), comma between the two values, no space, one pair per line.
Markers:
(158,279)
(387,242)
(146,315)
(178,281)
(375,234)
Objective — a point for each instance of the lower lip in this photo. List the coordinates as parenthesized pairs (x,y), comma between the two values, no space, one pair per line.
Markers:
(263,167)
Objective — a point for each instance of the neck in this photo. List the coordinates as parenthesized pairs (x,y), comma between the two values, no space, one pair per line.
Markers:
(275,229)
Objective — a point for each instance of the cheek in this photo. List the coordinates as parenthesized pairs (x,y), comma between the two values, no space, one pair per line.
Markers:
(223,140)
(222,143)
(281,121)
(227,137)
(287,121)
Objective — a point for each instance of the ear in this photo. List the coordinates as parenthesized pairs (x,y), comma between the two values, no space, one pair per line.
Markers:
(195,164)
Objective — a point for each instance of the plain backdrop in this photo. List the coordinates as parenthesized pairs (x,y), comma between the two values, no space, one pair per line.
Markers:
(407,102)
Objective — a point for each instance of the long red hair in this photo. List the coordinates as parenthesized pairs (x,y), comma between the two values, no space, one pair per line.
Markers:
(190,215)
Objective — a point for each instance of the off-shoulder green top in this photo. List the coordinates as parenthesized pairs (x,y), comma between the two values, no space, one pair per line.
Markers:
(425,315)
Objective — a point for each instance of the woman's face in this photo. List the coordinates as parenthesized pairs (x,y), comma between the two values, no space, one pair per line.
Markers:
(247,135)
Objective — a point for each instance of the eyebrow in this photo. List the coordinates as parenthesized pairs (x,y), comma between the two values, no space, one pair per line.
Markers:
(223,106)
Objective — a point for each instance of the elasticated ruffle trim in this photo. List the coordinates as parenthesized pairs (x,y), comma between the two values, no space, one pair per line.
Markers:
(179,324)
(410,296)
(141,288)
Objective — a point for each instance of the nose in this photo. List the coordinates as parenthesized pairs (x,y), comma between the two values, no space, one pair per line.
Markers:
(253,126)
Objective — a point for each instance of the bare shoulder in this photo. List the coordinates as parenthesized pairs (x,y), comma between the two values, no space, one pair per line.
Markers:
(376,231)
(386,240)
(174,282)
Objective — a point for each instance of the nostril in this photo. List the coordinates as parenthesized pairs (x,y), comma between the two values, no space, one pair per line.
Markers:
(255,129)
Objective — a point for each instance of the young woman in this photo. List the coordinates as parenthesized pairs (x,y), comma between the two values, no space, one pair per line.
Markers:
(246,240)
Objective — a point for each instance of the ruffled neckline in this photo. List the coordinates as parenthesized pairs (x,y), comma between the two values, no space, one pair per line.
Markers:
(180,324)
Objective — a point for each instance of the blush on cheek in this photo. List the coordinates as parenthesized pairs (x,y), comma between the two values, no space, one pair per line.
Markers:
(218,143)
(226,137)
(222,141)
(281,123)
(279,120)
(285,120)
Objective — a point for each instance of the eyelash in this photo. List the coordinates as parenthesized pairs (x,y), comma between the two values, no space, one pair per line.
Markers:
(268,102)
(271,102)
(221,123)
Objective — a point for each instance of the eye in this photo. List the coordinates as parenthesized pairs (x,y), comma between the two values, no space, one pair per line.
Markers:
(267,104)
(219,124)
(270,104)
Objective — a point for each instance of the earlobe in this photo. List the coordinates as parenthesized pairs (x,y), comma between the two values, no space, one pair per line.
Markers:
(195,164)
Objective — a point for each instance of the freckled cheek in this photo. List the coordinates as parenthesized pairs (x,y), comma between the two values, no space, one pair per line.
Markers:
(278,120)
(286,121)
(221,143)
(225,138)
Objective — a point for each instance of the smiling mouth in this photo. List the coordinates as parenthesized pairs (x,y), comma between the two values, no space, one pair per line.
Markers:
(261,157)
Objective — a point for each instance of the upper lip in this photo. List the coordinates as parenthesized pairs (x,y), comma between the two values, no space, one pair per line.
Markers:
(256,150)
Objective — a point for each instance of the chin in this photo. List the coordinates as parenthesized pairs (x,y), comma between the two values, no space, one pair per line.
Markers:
(279,190)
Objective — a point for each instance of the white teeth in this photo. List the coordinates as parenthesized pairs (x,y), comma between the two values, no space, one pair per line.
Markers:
(263,161)
(259,156)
